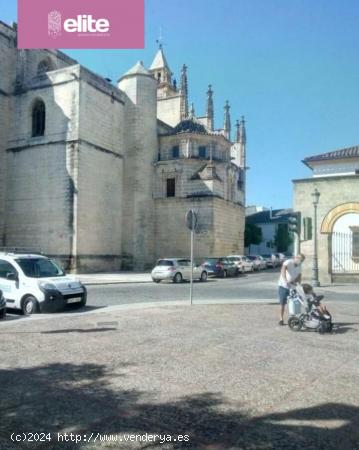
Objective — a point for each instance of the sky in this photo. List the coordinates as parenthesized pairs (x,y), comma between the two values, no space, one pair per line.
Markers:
(291,67)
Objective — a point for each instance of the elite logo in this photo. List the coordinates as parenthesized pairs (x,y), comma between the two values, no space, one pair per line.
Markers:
(84,23)
(80,24)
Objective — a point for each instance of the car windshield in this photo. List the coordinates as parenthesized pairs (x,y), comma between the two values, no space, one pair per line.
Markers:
(233,258)
(40,267)
(165,262)
(252,258)
(266,256)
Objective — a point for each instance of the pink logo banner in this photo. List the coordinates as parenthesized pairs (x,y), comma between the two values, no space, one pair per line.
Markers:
(80,24)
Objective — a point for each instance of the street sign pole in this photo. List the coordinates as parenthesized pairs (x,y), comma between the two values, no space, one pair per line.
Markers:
(191,223)
(192,239)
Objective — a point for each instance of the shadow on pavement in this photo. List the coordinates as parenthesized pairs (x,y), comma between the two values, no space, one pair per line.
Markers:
(83,399)
(79,330)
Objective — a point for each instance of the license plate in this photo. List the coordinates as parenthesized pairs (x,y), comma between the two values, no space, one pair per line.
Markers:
(74,300)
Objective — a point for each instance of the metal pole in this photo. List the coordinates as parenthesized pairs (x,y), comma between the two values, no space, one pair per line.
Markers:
(315,279)
(192,239)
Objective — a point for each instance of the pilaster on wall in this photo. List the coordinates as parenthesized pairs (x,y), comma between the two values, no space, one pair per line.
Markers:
(7,80)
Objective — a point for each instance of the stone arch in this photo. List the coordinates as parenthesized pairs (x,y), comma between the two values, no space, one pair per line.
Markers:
(337,212)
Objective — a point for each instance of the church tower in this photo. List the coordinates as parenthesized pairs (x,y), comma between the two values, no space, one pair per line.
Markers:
(184,93)
(241,139)
(172,101)
(141,144)
(210,109)
(227,121)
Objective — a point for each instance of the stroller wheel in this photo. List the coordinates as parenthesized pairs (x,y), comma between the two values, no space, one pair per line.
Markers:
(294,323)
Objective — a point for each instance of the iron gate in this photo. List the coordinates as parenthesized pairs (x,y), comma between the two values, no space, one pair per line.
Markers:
(345,252)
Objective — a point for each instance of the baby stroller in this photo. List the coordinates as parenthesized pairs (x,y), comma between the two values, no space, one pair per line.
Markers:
(313,318)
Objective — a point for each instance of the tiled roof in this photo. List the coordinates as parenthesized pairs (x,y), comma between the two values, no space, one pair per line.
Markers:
(189,126)
(350,152)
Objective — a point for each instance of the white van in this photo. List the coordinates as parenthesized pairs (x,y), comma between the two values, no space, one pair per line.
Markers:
(34,283)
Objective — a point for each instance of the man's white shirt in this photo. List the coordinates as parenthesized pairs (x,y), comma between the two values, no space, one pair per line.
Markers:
(292,272)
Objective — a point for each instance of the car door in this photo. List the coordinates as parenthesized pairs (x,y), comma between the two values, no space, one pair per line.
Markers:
(10,288)
(185,268)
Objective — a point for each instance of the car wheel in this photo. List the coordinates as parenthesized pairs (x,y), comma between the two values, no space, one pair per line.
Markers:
(177,278)
(29,306)
(204,276)
(2,313)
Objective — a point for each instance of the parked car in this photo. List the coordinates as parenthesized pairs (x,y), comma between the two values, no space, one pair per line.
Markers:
(34,283)
(177,270)
(220,267)
(258,262)
(2,306)
(242,262)
(281,257)
(271,260)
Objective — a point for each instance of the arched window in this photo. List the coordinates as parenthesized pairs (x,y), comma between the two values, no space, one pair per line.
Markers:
(45,66)
(38,116)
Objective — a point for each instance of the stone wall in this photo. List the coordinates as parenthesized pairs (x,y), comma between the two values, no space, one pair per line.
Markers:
(141,151)
(39,187)
(334,191)
(7,81)
(220,228)
(169,110)
(97,171)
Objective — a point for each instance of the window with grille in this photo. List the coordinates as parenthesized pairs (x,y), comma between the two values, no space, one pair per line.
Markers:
(38,118)
(171,187)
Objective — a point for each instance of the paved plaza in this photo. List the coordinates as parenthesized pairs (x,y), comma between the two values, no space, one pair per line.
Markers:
(225,376)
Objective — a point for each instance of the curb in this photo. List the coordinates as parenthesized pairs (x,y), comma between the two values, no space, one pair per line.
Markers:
(107,283)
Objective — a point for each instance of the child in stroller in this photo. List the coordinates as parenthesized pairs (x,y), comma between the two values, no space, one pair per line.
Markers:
(314,300)
(316,316)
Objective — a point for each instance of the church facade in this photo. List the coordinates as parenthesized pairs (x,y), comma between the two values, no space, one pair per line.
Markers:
(100,176)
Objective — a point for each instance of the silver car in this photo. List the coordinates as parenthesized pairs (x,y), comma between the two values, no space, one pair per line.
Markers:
(177,270)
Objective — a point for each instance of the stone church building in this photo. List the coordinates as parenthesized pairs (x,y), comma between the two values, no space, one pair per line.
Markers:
(100,176)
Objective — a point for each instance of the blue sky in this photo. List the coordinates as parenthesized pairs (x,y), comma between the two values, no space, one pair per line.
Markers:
(290,66)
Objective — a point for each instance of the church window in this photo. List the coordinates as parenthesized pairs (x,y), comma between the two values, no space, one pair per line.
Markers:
(38,118)
(44,66)
(175,151)
(202,152)
(171,187)
(159,77)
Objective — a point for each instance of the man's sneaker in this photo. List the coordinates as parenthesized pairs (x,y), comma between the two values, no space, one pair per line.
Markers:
(281,322)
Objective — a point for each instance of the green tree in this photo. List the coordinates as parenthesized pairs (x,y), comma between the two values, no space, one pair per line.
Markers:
(252,235)
(282,239)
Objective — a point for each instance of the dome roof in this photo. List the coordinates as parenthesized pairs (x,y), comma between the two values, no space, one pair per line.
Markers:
(189,126)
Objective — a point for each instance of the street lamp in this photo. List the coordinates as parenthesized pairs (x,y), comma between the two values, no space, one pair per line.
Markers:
(315,279)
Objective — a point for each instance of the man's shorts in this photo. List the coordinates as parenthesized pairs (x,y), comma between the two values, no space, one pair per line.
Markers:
(283,295)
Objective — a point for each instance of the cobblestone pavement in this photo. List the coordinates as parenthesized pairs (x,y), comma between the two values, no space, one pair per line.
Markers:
(225,375)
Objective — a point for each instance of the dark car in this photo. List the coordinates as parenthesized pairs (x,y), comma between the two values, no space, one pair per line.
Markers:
(2,306)
(220,267)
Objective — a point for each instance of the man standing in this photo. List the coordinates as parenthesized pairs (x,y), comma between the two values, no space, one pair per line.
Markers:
(290,275)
